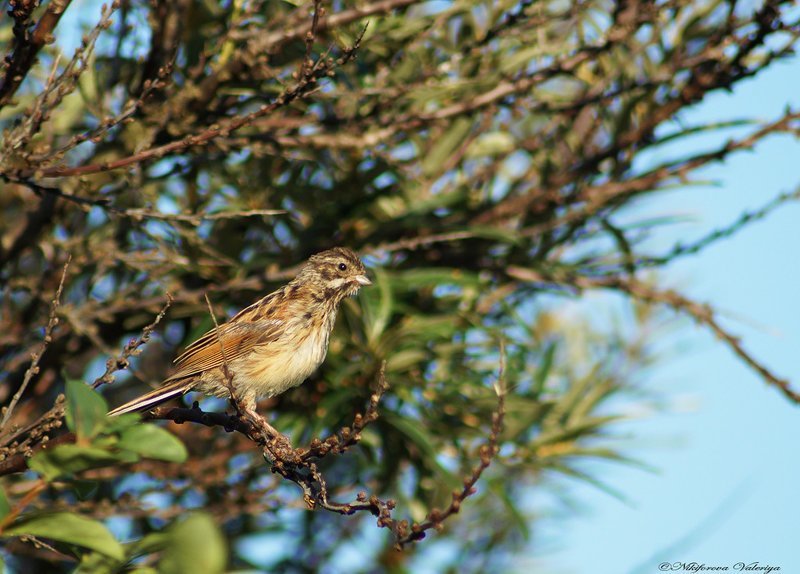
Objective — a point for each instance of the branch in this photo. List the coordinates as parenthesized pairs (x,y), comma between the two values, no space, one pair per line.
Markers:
(131,349)
(36,355)
(700,312)
(272,43)
(300,465)
(58,86)
(194,219)
(27,47)
(306,84)
(293,464)
(681,249)
(196,415)
(705,315)
(18,447)
(136,214)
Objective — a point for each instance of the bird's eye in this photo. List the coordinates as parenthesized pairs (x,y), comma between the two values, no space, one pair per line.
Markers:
(342,267)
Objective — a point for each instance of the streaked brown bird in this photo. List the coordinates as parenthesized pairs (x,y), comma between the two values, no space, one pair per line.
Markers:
(272,345)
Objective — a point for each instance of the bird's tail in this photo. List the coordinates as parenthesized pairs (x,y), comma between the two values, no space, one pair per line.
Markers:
(154,397)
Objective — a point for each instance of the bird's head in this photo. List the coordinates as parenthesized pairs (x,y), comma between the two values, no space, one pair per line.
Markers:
(337,272)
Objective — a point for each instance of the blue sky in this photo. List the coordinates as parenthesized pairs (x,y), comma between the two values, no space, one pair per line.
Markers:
(725,454)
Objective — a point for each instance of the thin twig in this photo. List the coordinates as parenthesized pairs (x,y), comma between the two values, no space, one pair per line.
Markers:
(21,444)
(28,47)
(17,509)
(193,218)
(131,349)
(137,214)
(311,35)
(705,315)
(747,217)
(305,85)
(37,355)
(226,372)
(300,465)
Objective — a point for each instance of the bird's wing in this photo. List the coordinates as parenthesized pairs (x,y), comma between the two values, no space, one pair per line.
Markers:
(238,339)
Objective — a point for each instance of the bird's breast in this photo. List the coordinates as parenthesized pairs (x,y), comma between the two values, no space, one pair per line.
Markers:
(284,364)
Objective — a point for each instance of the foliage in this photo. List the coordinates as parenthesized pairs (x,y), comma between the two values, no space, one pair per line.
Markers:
(481,155)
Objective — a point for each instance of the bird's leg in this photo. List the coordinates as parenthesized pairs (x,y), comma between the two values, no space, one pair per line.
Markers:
(247,409)
(262,422)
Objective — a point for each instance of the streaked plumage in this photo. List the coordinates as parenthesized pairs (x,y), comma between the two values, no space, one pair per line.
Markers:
(272,345)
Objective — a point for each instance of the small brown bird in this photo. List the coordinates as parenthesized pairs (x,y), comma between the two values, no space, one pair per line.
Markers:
(272,345)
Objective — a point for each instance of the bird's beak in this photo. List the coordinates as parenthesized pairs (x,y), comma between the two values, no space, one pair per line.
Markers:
(363,280)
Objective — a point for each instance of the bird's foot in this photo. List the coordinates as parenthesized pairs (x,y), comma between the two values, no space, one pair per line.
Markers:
(270,433)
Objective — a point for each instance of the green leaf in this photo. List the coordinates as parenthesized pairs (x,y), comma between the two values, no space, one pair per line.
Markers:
(414,279)
(378,305)
(544,369)
(68,459)
(401,360)
(97,563)
(519,60)
(84,488)
(86,410)
(151,441)
(491,144)
(154,542)
(495,234)
(71,529)
(500,489)
(420,437)
(119,423)
(196,545)
(5,507)
(580,475)
(444,146)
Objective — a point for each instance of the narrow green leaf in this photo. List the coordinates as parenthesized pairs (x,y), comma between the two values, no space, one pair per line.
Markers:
(151,441)
(196,545)
(491,144)
(86,410)
(413,279)
(444,146)
(5,507)
(71,529)
(402,360)
(84,488)
(700,129)
(379,309)
(420,437)
(573,432)
(580,475)
(500,489)
(567,401)
(495,233)
(544,369)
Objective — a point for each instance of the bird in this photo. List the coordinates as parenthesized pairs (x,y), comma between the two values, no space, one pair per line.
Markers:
(269,347)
